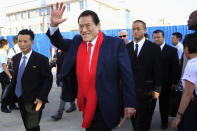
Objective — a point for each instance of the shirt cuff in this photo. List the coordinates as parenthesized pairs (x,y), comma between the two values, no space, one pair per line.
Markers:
(53,29)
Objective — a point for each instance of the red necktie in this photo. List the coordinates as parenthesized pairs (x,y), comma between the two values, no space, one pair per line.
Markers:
(88,55)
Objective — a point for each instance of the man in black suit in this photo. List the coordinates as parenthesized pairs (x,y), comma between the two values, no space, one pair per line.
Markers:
(32,81)
(170,77)
(145,59)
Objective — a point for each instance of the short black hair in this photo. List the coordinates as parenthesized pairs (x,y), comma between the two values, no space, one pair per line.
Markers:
(144,24)
(159,31)
(178,35)
(15,39)
(190,41)
(146,35)
(90,13)
(3,42)
(27,32)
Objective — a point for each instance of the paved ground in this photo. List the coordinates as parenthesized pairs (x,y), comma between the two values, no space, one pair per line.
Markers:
(69,122)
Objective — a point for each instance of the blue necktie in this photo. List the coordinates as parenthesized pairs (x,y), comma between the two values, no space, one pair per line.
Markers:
(18,90)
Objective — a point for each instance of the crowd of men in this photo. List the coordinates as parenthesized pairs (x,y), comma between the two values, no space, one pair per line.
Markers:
(106,74)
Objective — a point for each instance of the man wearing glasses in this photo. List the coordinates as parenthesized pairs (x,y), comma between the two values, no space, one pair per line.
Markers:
(124,35)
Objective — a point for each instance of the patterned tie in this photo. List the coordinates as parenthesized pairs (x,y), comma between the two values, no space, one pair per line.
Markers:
(18,90)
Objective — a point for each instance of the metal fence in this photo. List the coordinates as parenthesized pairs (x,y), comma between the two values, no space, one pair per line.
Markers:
(42,43)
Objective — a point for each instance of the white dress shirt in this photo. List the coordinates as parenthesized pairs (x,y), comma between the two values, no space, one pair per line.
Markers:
(179,48)
(161,46)
(140,44)
(11,52)
(27,58)
(3,59)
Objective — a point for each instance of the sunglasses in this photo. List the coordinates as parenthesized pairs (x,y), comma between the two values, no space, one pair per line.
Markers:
(122,36)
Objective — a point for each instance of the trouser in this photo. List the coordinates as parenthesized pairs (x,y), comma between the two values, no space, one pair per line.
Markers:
(4,81)
(164,99)
(143,109)
(153,105)
(30,117)
(188,120)
(98,123)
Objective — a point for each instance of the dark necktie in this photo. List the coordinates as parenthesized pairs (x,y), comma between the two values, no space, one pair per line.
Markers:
(136,50)
(18,90)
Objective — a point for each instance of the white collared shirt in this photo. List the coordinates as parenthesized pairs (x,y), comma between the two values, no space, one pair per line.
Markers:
(27,58)
(190,73)
(179,48)
(161,46)
(3,59)
(140,44)
(11,52)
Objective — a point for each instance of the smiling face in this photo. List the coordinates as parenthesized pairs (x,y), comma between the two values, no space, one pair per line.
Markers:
(25,43)
(88,29)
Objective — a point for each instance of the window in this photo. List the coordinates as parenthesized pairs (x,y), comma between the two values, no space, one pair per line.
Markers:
(16,30)
(48,25)
(68,7)
(10,31)
(15,15)
(41,27)
(48,11)
(9,18)
(22,16)
(28,14)
(81,3)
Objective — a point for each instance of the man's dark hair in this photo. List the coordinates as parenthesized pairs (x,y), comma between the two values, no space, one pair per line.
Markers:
(159,31)
(27,32)
(146,36)
(3,42)
(178,35)
(190,41)
(15,39)
(144,24)
(90,13)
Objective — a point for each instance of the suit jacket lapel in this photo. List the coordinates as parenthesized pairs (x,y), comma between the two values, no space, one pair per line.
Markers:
(18,62)
(29,63)
(143,49)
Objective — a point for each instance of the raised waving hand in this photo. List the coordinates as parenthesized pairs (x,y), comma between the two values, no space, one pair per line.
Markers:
(56,14)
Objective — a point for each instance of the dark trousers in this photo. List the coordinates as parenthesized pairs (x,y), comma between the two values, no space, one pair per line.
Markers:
(189,118)
(164,99)
(4,80)
(153,105)
(98,123)
(30,117)
(143,109)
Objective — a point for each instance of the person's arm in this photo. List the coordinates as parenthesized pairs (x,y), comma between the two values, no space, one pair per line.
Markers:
(185,100)
(6,71)
(157,72)
(126,75)
(175,70)
(47,80)
(53,32)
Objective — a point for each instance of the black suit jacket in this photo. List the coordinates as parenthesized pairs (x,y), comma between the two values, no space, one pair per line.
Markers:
(147,68)
(170,66)
(37,77)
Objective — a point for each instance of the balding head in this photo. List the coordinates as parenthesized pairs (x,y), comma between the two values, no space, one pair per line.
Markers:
(124,35)
(192,22)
